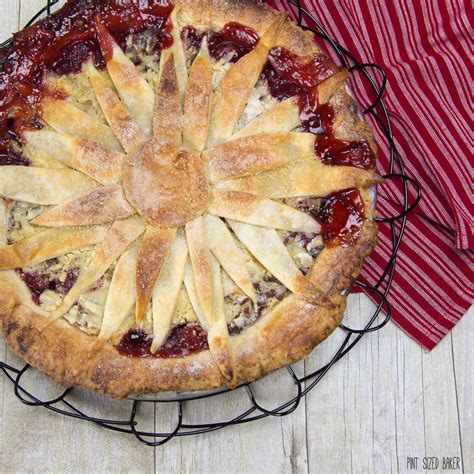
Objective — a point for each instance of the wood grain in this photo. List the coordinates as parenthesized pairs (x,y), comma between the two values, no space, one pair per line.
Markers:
(461,340)
(385,401)
(240,448)
(409,407)
(441,421)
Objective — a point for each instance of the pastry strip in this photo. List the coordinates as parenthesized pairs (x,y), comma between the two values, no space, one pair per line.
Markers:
(202,267)
(168,115)
(165,294)
(45,186)
(121,296)
(135,92)
(248,156)
(97,161)
(267,247)
(306,177)
(152,255)
(218,335)
(179,55)
(260,211)
(65,117)
(329,87)
(49,244)
(197,101)
(229,255)
(107,204)
(234,91)
(119,237)
(189,283)
(127,131)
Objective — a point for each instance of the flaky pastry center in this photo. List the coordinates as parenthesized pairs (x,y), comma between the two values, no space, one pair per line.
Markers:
(166,185)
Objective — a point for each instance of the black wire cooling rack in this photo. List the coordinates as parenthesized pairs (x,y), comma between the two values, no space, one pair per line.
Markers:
(377,110)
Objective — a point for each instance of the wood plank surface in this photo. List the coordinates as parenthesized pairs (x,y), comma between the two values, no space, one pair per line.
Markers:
(409,409)
(441,423)
(240,448)
(387,400)
(462,343)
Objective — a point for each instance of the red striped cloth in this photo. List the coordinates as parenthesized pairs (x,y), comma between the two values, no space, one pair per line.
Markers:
(425,49)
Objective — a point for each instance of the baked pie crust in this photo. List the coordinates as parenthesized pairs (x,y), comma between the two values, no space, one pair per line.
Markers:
(165,197)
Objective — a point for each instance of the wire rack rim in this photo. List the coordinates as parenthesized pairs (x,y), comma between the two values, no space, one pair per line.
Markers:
(379,113)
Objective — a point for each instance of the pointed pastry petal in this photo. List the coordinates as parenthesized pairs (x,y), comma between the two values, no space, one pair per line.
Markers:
(267,247)
(250,155)
(127,131)
(152,254)
(329,87)
(95,160)
(65,117)
(218,335)
(202,266)
(43,186)
(234,91)
(121,296)
(197,101)
(133,89)
(168,115)
(165,294)
(179,55)
(49,244)
(307,177)
(228,254)
(118,238)
(107,204)
(260,211)
(283,117)
(189,283)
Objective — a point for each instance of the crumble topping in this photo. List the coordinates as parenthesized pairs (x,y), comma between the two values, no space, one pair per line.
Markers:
(260,101)
(19,216)
(219,70)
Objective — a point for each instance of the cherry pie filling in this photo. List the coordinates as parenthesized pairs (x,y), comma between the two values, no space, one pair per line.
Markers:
(62,43)
(183,340)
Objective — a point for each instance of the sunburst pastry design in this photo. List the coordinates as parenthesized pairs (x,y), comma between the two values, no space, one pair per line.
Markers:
(170,190)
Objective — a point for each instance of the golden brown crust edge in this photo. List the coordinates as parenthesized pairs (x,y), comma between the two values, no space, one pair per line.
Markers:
(286,335)
(257,15)
(283,336)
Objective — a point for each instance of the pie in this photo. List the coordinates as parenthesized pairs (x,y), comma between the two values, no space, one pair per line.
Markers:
(184,194)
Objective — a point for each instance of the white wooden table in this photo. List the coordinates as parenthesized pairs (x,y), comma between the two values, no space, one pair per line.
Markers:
(386,401)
